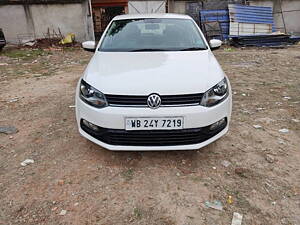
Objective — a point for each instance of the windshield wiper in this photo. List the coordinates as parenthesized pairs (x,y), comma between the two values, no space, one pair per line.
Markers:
(193,49)
(147,50)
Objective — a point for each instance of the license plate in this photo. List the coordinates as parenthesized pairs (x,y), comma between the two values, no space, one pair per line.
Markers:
(154,123)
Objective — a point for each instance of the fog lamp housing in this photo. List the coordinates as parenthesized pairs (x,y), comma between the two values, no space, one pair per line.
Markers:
(90,125)
(217,124)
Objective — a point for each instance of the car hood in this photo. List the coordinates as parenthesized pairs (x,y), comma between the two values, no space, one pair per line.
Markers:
(143,73)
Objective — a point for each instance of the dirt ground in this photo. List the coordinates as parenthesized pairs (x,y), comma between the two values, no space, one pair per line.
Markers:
(73,181)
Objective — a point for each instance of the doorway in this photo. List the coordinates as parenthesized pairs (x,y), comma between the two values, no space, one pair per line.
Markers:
(104,12)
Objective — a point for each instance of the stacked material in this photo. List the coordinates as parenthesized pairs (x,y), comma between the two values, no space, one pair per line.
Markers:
(244,26)
(209,18)
(254,26)
(261,40)
(250,20)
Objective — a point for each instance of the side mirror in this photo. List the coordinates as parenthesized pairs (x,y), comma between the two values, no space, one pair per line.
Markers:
(89,46)
(215,44)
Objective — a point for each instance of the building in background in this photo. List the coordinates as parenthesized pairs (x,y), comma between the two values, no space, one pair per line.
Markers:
(87,19)
(27,19)
(286,14)
(105,10)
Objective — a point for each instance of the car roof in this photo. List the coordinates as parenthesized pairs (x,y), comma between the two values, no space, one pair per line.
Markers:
(152,15)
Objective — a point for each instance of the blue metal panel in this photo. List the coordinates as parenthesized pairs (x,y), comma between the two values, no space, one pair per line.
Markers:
(221,16)
(251,14)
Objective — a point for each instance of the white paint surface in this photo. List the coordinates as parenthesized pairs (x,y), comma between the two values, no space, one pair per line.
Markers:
(32,21)
(138,7)
(249,28)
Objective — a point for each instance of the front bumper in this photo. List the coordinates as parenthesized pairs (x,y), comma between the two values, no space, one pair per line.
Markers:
(153,138)
(113,136)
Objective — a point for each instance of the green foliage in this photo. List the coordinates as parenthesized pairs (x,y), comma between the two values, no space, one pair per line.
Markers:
(24,54)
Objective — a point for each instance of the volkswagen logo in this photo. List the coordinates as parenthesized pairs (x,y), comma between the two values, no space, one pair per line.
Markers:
(154,101)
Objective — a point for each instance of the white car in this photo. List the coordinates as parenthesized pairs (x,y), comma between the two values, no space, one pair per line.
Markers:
(153,84)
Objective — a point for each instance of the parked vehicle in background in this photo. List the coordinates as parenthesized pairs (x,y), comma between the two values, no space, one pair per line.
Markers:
(153,84)
(2,39)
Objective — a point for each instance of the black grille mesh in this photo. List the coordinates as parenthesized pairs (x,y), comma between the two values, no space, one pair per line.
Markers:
(166,100)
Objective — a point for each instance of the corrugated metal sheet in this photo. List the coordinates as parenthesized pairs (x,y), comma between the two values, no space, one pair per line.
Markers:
(294,39)
(193,7)
(221,16)
(259,20)
(261,40)
(250,14)
(249,28)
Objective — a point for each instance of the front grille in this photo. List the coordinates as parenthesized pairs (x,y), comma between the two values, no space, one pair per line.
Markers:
(166,100)
(153,137)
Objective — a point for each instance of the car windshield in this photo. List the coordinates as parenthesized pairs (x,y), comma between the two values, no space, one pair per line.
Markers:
(152,35)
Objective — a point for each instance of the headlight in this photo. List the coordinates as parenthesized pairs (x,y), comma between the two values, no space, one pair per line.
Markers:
(216,94)
(91,95)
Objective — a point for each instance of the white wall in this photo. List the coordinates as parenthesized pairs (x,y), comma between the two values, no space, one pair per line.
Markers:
(179,7)
(18,21)
(13,21)
(137,7)
(291,16)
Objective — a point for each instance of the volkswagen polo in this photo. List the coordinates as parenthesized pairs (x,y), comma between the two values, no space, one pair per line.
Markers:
(153,84)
